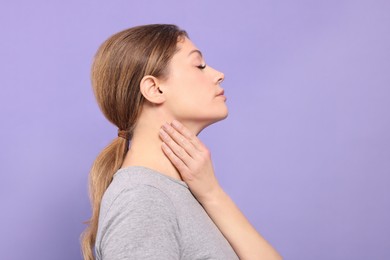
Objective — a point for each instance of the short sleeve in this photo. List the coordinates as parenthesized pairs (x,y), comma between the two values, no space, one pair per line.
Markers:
(140,224)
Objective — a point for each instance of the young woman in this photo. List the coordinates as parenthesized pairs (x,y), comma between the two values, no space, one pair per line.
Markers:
(153,190)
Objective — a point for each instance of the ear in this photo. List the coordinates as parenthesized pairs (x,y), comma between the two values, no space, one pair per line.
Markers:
(149,88)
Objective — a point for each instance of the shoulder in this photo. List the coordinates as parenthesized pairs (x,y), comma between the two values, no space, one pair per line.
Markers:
(138,195)
(138,200)
(138,221)
(134,182)
(142,196)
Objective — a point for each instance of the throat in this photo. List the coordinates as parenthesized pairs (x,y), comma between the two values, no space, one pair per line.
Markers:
(147,152)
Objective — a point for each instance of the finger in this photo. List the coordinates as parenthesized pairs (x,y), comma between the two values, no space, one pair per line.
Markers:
(181,140)
(176,161)
(179,151)
(188,134)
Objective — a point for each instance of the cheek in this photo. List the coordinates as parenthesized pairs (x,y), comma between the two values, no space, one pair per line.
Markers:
(191,85)
(198,81)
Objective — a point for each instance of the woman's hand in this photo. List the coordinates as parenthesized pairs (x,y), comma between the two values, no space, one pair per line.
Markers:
(192,159)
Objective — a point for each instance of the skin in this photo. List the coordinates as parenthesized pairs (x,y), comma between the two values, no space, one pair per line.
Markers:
(192,95)
(193,89)
(189,94)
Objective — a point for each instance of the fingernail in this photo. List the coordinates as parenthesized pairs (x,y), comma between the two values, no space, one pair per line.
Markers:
(164,146)
(165,126)
(162,132)
(175,123)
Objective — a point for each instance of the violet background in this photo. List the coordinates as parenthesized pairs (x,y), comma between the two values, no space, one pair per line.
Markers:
(305,151)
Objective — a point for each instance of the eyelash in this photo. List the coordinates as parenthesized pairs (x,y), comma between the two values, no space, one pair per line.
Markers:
(203,66)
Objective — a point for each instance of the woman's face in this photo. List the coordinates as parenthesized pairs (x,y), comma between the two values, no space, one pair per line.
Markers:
(192,89)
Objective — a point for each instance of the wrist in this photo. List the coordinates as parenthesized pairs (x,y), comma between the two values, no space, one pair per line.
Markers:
(213,198)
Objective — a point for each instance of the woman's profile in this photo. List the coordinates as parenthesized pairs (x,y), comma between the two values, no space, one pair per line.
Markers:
(153,191)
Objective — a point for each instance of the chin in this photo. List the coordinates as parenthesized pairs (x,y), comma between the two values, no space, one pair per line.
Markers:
(213,120)
(197,124)
(223,113)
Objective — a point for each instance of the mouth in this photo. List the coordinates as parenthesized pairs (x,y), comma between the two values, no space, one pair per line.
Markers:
(221,93)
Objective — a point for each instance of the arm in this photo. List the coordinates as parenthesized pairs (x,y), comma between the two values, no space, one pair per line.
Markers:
(193,161)
(245,240)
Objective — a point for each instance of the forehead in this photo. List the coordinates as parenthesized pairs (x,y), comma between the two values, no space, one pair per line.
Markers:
(185,46)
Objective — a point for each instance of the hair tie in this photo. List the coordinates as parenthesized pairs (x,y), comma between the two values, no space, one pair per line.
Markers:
(124,134)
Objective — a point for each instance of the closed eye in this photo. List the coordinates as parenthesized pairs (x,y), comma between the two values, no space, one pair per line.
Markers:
(202,66)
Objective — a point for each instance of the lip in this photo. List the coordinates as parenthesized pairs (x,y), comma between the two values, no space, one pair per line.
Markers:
(221,93)
(223,97)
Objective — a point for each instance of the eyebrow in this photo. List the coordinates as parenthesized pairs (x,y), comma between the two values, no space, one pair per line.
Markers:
(196,51)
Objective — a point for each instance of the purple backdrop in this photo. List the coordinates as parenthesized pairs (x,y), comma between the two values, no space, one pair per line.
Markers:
(305,151)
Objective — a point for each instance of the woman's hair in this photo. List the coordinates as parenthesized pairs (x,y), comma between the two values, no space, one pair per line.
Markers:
(118,68)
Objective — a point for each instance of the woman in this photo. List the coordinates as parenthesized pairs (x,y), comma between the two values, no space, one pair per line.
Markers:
(158,198)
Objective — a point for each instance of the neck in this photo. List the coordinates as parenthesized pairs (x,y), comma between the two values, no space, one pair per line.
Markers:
(145,146)
(145,149)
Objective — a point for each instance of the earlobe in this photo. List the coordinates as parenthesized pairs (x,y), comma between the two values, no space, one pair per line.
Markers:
(151,90)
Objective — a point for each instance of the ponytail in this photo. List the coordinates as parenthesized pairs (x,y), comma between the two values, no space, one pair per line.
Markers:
(118,68)
(100,177)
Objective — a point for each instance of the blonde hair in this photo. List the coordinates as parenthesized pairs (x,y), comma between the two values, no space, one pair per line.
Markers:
(119,65)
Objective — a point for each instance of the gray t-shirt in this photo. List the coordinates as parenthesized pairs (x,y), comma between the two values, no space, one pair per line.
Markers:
(148,215)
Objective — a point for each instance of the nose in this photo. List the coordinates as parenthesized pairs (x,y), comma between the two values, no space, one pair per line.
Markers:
(220,77)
